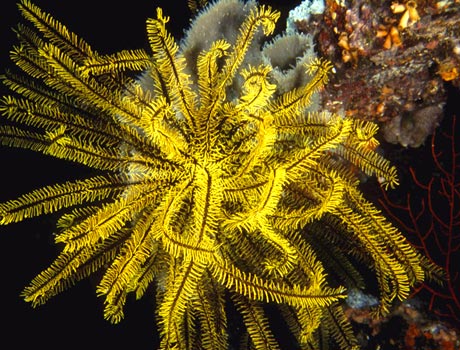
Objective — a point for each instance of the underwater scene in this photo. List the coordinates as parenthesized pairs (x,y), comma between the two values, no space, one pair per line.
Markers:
(230,174)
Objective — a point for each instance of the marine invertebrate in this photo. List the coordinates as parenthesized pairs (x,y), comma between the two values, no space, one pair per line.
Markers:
(303,12)
(390,32)
(212,181)
(414,68)
(348,54)
(409,13)
(448,70)
(391,36)
(431,217)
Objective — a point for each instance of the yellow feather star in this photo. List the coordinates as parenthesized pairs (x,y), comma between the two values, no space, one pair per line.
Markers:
(212,183)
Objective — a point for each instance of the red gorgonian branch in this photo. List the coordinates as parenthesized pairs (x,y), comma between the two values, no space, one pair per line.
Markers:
(430,218)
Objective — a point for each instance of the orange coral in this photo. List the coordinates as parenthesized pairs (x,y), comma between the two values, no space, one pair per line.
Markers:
(409,13)
(391,32)
(448,70)
(391,35)
(349,54)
